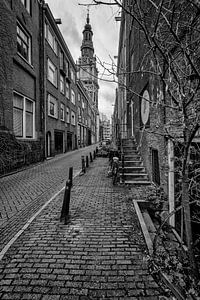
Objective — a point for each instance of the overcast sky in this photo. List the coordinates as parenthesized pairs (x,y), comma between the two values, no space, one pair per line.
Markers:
(105,38)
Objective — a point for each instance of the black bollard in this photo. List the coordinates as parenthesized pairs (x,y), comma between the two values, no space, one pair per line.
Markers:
(91,160)
(83,164)
(66,202)
(87,162)
(94,154)
(97,150)
(71,175)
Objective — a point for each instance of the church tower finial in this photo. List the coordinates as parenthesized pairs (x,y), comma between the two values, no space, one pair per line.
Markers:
(88,14)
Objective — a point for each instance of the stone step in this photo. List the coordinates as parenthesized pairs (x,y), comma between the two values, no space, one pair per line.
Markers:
(132,163)
(133,169)
(138,182)
(133,156)
(135,176)
(130,152)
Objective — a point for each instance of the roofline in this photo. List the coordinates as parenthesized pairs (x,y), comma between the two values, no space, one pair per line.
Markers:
(61,40)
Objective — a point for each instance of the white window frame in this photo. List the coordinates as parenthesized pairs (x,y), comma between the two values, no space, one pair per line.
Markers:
(83,104)
(73,98)
(50,37)
(67,90)
(62,112)
(52,104)
(52,68)
(24,111)
(67,115)
(73,118)
(62,84)
(24,41)
(27,4)
(73,75)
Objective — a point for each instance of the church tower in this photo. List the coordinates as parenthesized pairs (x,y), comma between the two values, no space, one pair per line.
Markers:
(88,72)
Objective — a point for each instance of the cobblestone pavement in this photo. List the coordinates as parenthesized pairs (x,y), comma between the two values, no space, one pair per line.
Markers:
(99,254)
(22,193)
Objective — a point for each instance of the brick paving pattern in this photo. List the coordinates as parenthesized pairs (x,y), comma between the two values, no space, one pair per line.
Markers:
(99,254)
(22,193)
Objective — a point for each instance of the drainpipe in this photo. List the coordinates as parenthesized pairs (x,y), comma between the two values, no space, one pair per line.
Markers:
(171,181)
(42,74)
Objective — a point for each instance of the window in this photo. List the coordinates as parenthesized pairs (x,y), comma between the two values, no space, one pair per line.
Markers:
(62,88)
(73,97)
(79,115)
(23,43)
(67,90)
(61,59)
(52,73)
(23,116)
(67,115)
(52,106)
(66,67)
(155,167)
(73,75)
(83,104)
(27,4)
(73,118)
(62,109)
(51,38)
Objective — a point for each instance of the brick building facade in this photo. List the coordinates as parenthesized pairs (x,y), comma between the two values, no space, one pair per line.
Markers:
(20,111)
(38,86)
(155,103)
(60,90)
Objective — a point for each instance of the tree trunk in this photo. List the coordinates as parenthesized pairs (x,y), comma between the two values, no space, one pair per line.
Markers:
(187,216)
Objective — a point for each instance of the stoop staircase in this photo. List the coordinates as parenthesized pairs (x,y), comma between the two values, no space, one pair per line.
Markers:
(134,171)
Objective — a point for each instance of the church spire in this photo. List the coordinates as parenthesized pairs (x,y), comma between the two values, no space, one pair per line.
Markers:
(87,49)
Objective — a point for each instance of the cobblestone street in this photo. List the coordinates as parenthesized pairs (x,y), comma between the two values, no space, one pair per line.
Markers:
(23,193)
(99,254)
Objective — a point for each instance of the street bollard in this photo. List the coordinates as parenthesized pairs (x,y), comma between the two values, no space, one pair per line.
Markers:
(91,160)
(71,175)
(97,150)
(83,164)
(122,167)
(66,202)
(87,162)
(94,154)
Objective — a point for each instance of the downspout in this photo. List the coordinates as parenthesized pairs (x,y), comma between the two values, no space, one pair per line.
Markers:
(171,181)
(42,76)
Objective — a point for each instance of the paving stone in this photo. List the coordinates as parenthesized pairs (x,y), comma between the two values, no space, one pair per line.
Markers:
(97,255)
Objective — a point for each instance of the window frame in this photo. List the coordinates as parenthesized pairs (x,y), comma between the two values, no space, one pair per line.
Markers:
(27,43)
(67,115)
(67,87)
(62,84)
(27,5)
(62,112)
(49,32)
(51,66)
(52,104)
(73,97)
(25,112)
(73,117)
